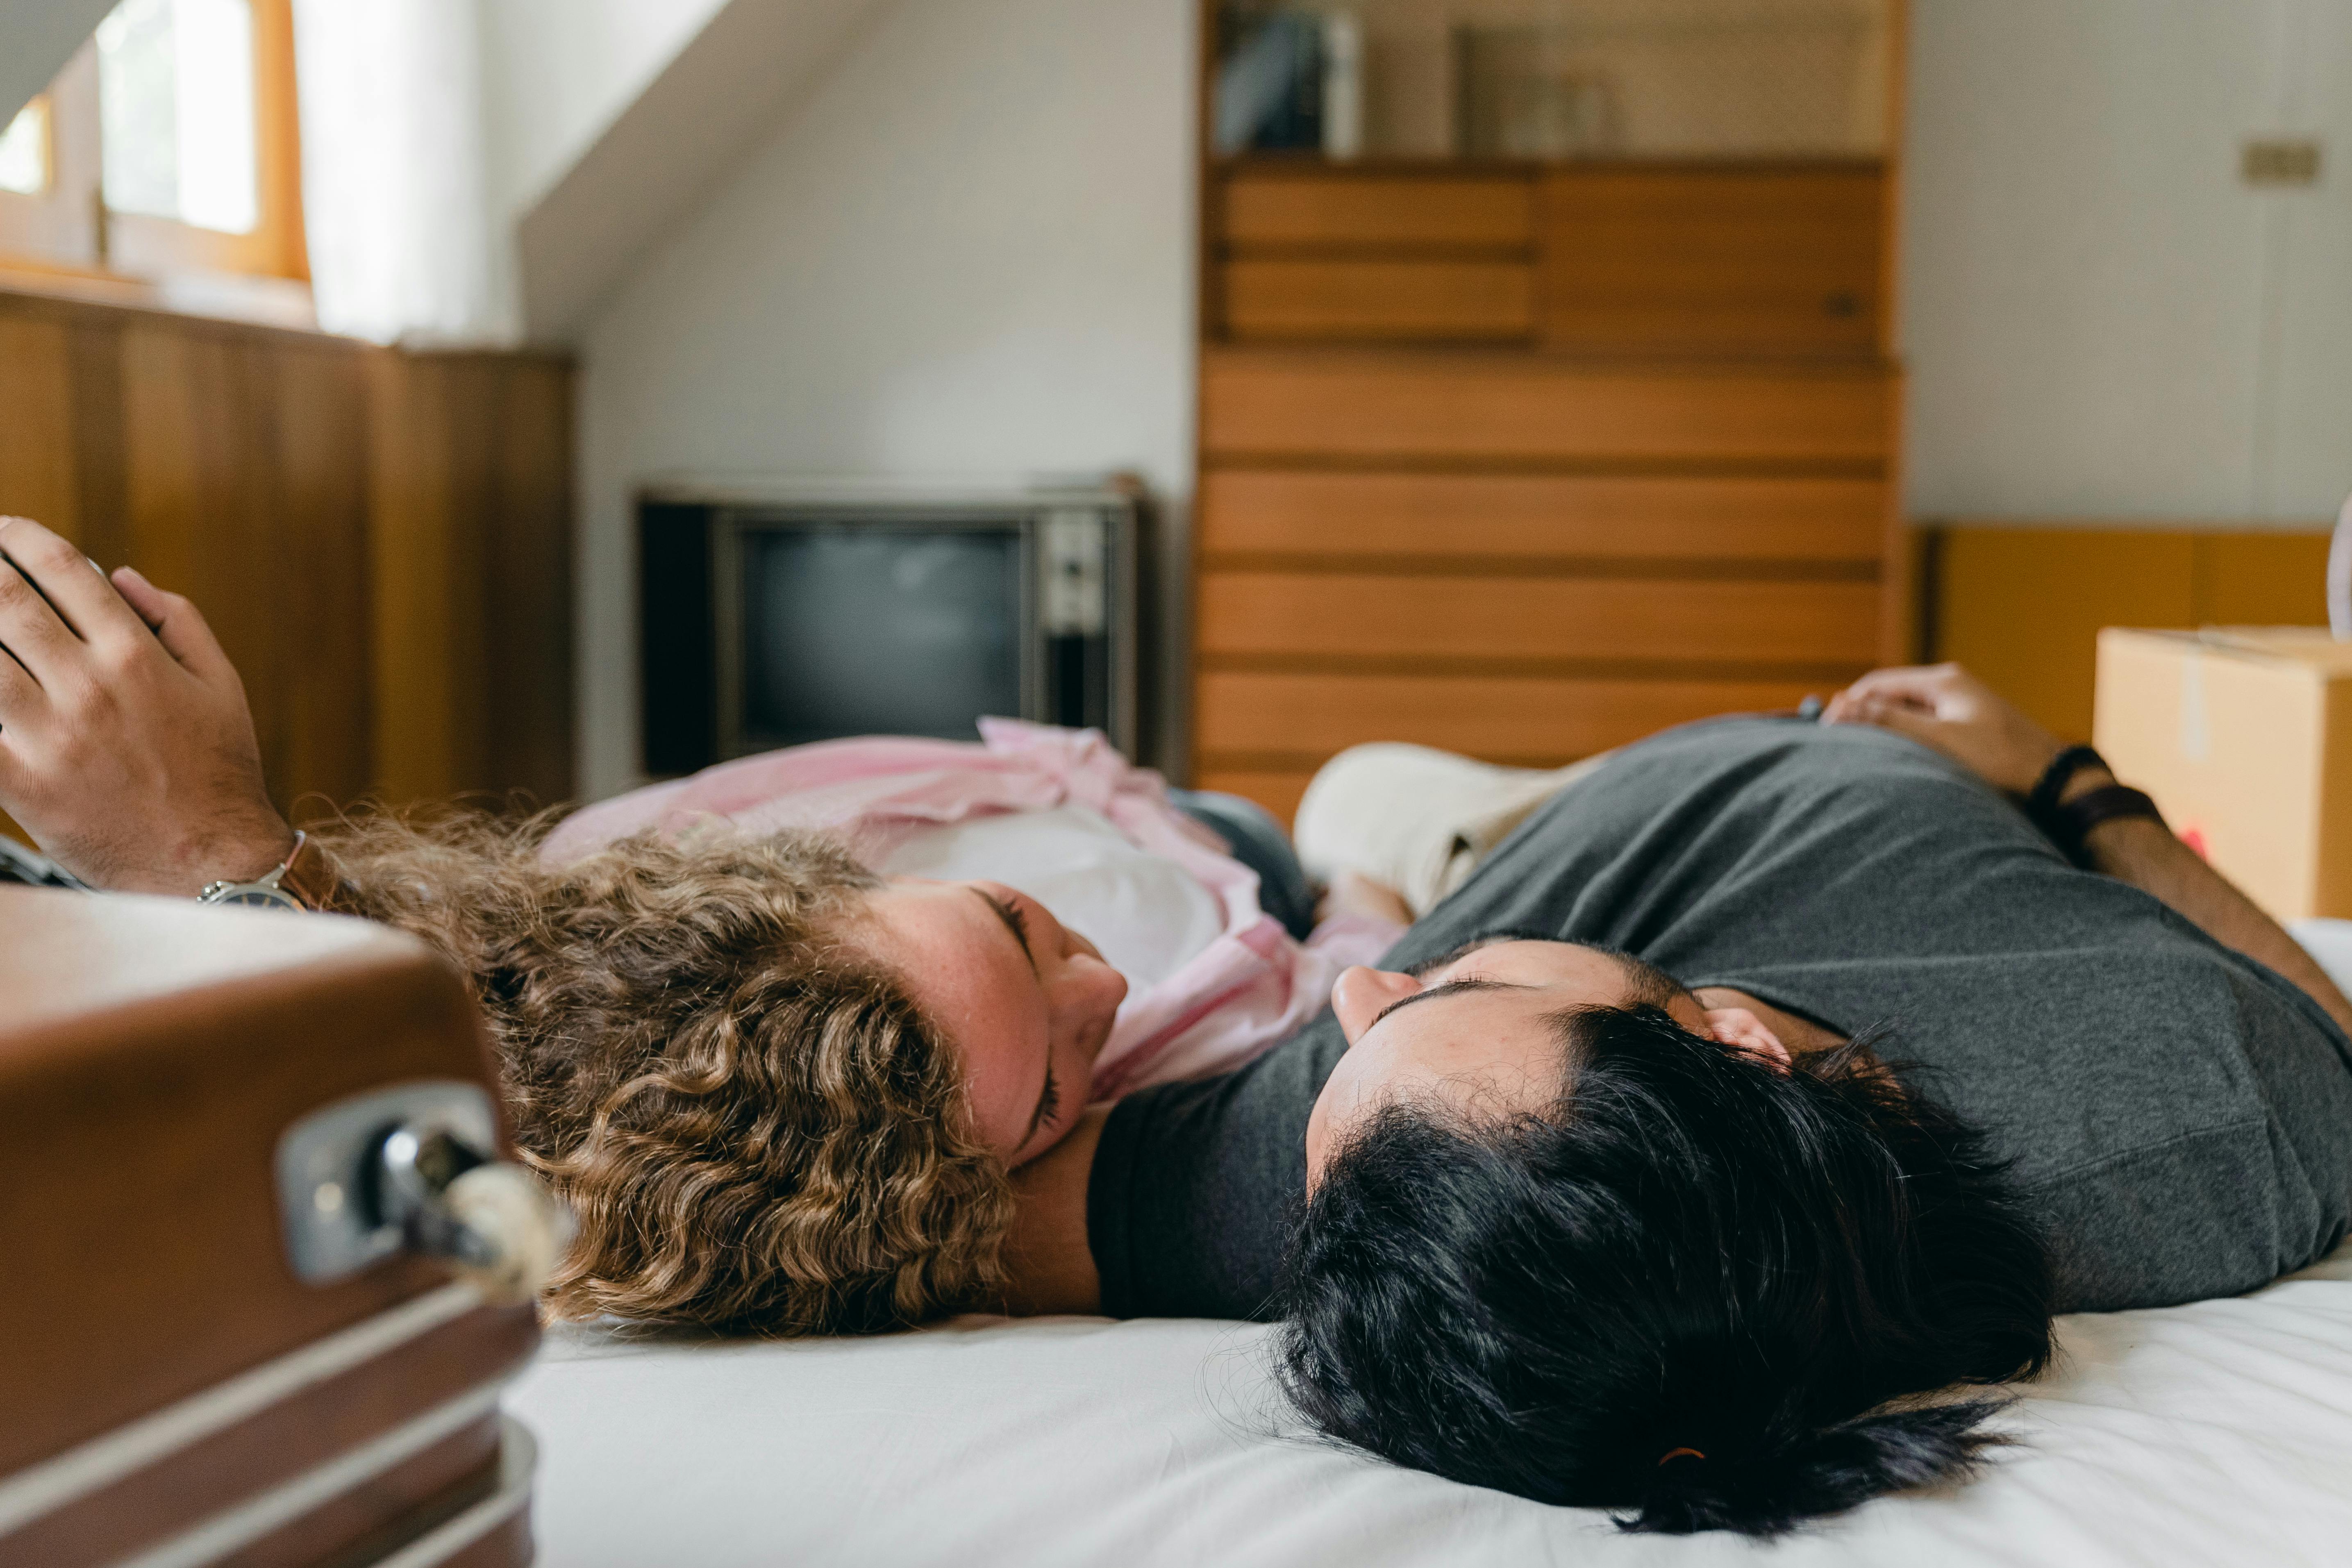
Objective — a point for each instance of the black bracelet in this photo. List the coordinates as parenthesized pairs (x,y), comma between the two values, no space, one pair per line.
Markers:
(2042,799)
(2071,823)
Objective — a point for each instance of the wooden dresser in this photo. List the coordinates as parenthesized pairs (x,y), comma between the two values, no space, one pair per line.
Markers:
(1527,460)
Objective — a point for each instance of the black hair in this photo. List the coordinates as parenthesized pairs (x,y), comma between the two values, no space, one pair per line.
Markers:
(1698,1286)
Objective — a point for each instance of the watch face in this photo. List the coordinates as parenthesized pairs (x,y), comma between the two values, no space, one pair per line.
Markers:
(254,896)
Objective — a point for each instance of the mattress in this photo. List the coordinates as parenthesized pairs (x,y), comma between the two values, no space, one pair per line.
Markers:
(2215,1433)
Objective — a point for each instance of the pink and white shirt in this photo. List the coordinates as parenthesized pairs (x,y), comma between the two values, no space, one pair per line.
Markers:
(1247,986)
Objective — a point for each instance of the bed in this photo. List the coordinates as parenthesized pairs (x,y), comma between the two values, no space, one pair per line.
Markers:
(2215,1433)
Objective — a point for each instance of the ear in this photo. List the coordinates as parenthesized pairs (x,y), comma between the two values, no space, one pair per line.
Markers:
(1743,1030)
(1360,994)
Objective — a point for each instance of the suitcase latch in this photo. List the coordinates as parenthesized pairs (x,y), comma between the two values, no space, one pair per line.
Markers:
(411,1169)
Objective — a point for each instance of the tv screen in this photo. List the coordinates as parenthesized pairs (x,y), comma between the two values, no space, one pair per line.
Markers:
(879,631)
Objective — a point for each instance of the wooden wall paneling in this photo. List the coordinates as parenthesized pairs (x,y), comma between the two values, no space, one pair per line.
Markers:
(382,541)
(101,453)
(37,469)
(427,592)
(1249,512)
(1278,790)
(470,548)
(37,479)
(1713,259)
(1387,301)
(1371,208)
(1369,406)
(320,615)
(2023,607)
(1535,721)
(1365,615)
(204,505)
(528,524)
(2258,578)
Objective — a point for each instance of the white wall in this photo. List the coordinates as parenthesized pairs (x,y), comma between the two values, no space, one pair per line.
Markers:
(2100,319)
(556,72)
(554,75)
(968,250)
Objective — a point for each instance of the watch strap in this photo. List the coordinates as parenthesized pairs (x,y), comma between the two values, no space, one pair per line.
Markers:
(306,879)
(2071,824)
(2042,799)
(310,876)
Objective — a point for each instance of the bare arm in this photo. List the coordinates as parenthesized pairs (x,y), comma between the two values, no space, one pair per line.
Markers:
(126,747)
(1949,709)
(2147,855)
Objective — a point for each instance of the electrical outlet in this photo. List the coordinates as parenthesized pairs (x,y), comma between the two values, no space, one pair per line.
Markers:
(2280,163)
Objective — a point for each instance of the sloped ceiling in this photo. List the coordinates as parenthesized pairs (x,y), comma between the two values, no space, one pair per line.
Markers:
(660,158)
(37,38)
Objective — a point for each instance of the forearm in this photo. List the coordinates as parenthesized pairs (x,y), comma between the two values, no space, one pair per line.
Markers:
(2143,852)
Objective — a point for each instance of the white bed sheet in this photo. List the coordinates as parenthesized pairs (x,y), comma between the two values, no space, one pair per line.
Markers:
(2217,1433)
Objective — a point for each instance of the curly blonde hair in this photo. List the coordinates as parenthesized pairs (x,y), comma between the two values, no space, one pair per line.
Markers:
(757,1128)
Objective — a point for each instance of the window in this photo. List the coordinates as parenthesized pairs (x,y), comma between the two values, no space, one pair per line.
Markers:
(175,112)
(167,146)
(24,151)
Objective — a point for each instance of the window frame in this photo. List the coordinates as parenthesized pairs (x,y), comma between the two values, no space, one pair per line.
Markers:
(68,229)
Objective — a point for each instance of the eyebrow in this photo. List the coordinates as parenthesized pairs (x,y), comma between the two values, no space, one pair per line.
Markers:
(1013,924)
(1451,988)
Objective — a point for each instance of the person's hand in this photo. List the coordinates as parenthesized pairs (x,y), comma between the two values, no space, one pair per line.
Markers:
(126,747)
(1945,707)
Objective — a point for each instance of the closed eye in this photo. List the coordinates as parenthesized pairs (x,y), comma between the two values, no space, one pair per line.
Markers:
(1049,1105)
(1014,921)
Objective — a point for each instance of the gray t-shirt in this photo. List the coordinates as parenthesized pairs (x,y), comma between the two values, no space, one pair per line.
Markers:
(2180,1116)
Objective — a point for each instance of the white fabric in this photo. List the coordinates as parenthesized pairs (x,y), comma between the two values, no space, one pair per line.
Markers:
(1415,819)
(2217,1433)
(396,187)
(2330,942)
(1147,914)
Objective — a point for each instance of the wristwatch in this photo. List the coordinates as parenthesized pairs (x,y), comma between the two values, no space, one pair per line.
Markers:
(302,881)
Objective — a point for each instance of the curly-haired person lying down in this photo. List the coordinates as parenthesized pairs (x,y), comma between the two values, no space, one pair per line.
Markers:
(781,1092)
(1889,1081)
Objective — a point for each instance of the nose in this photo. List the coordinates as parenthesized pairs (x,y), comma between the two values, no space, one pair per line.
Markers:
(1361,994)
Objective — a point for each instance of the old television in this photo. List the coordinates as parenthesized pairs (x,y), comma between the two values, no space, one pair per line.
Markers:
(812,615)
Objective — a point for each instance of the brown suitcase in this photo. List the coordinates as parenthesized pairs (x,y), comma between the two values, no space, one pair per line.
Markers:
(173,1388)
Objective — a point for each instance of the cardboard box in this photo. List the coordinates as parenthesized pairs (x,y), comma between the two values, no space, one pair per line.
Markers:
(2243,734)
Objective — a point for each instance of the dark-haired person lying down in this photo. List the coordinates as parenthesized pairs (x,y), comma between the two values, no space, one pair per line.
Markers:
(1769,1073)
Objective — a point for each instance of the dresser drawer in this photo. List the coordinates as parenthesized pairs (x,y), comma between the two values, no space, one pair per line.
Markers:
(1397,408)
(1327,615)
(1713,260)
(1306,207)
(1379,300)
(1246,512)
(1533,719)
